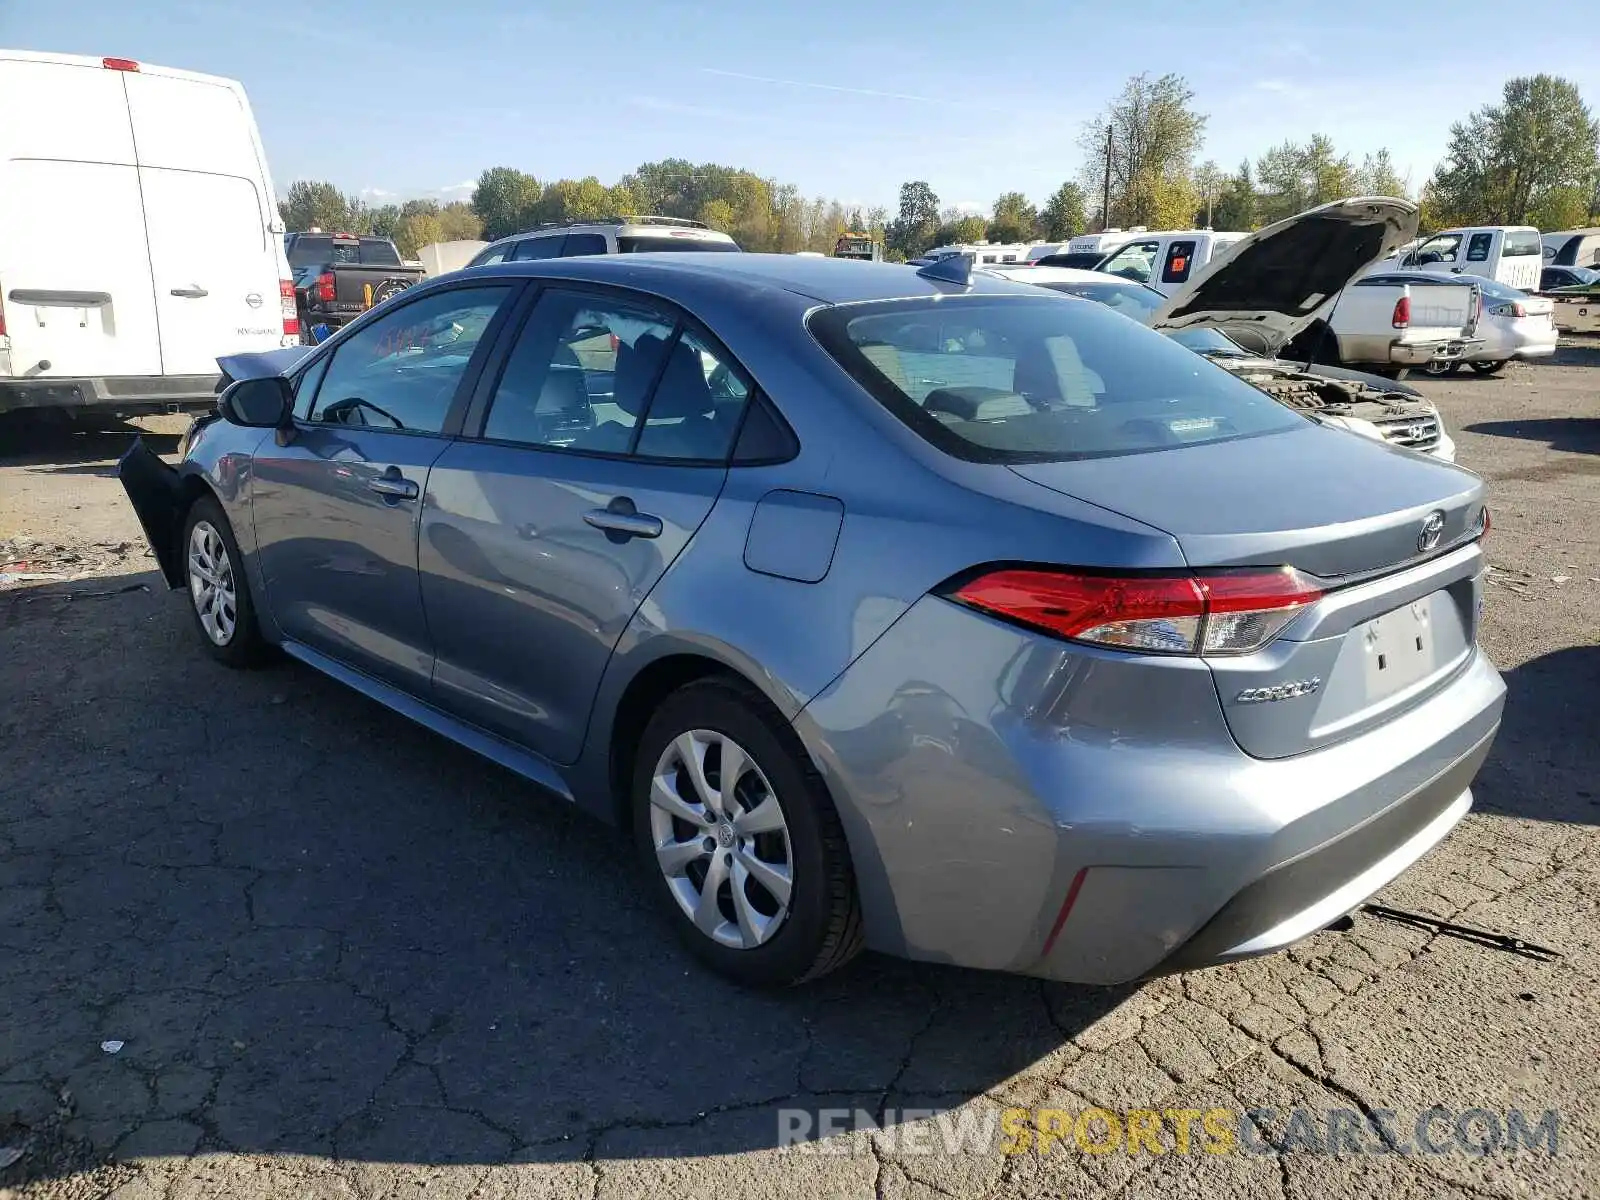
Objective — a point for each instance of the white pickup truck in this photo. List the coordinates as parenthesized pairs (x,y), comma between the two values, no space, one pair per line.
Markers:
(1392,326)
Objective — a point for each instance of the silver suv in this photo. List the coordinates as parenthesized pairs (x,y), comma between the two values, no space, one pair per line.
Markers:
(618,235)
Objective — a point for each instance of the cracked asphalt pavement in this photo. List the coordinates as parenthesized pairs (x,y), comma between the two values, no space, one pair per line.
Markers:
(344,958)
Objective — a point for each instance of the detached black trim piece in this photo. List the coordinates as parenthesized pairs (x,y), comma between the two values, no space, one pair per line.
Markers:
(155,491)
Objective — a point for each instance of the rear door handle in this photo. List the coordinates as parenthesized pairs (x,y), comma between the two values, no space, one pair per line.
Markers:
(394,485)
(194,292)
(622,519)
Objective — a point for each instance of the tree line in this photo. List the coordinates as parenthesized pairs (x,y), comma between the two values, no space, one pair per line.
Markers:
(1533,158)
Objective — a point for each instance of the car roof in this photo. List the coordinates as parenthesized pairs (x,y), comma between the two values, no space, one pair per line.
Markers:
(730,276)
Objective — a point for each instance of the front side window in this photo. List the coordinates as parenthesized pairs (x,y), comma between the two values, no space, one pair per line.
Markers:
(1438,249)
(1133,261)
(583,243)
(580,374)
(1478,247)
(310,250)
(401,372)
(1179,262)
(493,254)
(1009,379)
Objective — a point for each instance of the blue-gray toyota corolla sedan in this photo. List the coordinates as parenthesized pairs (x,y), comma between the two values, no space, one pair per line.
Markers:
(932,614)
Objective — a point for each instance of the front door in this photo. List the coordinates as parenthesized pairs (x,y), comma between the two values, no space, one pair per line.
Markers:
(337,509)
(601,453)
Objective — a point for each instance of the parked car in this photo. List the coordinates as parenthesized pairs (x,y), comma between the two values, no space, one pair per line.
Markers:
(624,235)
(1572,248)
(1167,260)
(1576,305)
(1508,254)
(1365,404)
(114,294)
(914,610)
(1393,325)
(338,276)
(1511,324)
(1551,278)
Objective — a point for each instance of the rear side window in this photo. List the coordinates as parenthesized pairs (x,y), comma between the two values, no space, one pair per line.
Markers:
(539,247)
(659,243)
(1522,243)
(1179,262)
(1006,379)
(491,256)
(1478,247)
(584,243)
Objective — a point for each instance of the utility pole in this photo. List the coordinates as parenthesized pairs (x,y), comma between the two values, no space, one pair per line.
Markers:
(1105,197)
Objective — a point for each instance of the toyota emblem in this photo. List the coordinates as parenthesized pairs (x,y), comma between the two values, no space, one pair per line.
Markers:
(253,299)
(1432,531)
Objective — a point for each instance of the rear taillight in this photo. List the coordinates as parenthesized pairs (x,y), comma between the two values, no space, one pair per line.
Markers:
(1402,312)
(1512,308)
(325,287)
(119,64)
(1230,613)
(1484,523)
(291,315)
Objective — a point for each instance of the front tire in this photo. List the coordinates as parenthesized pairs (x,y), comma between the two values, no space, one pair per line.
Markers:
(740,841)
(219,594)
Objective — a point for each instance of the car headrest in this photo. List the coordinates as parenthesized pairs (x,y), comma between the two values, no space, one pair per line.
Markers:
(635,368)
(682,391)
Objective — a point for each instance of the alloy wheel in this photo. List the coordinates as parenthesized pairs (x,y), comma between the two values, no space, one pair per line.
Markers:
(721,840)
(211,583)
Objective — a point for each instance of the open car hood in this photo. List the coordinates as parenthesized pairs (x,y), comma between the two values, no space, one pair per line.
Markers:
(1270,286)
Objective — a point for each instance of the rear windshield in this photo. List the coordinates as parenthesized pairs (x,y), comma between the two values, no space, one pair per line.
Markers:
(1129,299)
(1010,379)
(313,250)
(653,245)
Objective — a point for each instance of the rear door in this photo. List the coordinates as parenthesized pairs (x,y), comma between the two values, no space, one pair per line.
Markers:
(213,253)
(75,280)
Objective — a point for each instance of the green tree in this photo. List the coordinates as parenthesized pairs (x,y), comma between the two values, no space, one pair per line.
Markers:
(1378,176)
(1140,150)
(320,205)
(913,231)
(719,215)
(1208,184)
(1235,209)
(1508,160)
(421,228)
(506,200)
(1294,177)
(458,223)
(584,199)
(1064,213)
(1015,219)
(382,221)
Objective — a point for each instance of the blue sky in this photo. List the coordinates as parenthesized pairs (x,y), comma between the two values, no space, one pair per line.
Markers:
(402,98)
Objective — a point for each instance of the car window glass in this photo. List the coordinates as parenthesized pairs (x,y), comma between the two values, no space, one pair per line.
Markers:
(401,371)
(1478,247)
(498,254)
(1439,249)
(764,437)
(580,373)
(305,389)
(694,411)
(584,243)
(1522,243)
(1179,262)
(378,252)
(1133,261)
(539,247)
(1129,299)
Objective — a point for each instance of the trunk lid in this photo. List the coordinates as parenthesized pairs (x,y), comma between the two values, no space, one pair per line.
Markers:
(1271,285)
(1392,536)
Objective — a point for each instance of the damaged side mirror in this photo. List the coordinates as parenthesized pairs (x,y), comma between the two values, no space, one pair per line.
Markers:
(258,403)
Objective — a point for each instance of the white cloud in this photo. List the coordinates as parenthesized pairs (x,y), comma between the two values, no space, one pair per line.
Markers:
(465,185)
(376,193)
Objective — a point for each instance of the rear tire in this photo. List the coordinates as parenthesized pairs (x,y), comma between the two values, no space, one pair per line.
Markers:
(219,592)
(1493,367)
(1439,369)
(755,877)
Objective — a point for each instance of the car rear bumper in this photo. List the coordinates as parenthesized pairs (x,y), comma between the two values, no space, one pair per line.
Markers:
(1032,806)
(143,393)
(1415,354)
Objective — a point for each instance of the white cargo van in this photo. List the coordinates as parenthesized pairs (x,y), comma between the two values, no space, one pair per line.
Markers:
(139,235)
(1572,248)
(1508,254)
(1168,258)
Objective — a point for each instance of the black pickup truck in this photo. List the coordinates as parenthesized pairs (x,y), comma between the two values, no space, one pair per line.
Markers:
(338,276)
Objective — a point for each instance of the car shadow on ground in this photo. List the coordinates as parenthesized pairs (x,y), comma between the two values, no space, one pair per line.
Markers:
(73,445)
(1545,765)
(316,929)
(1570,435)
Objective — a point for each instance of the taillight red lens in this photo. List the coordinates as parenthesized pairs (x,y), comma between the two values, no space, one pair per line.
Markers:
(119,64)
(1231,613)
(291,315)
(1402,312)
(325,287)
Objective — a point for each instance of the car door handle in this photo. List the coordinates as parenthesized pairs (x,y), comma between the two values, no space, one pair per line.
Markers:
(621,518)
(393,484)
(193,292)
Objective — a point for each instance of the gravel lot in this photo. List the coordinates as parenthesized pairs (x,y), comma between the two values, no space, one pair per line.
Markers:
(345,959)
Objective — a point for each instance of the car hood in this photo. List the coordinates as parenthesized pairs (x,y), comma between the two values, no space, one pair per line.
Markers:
(1270,286)
(263,364)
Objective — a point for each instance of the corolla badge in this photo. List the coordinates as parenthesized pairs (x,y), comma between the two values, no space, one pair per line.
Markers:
(1432,531)
(1281,691)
